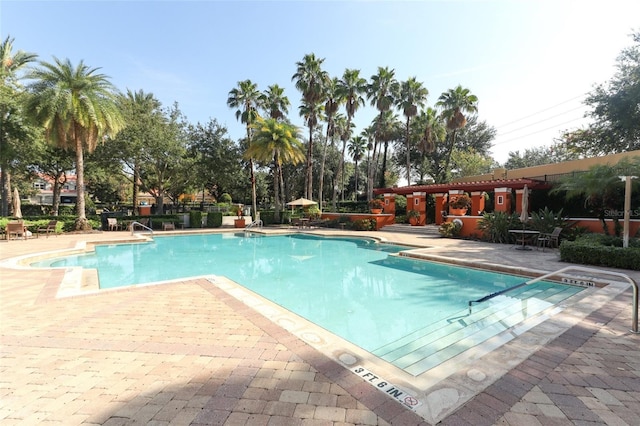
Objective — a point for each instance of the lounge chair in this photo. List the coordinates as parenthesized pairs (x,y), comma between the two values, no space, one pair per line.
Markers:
(50,228)
(16,228)
(551,239)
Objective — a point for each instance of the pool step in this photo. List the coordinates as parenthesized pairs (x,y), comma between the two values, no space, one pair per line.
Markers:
(432,345)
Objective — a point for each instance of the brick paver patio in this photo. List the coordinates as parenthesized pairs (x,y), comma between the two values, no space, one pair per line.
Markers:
(188,353)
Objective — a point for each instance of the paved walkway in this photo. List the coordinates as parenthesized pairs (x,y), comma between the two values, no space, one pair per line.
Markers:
(188,353)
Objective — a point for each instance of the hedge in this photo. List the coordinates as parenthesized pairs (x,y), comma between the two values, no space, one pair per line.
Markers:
(585,252)
(214,220)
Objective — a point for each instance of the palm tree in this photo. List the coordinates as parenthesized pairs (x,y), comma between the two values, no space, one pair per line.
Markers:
(77,107)
(276,105)
(351,87)
(455,103)
(388,128)
(311,81)
(10,63)
(278,142)
(274,102)
(333,101)
(382,93)
(357,146)
(412,96)
(247,99)
(343,130)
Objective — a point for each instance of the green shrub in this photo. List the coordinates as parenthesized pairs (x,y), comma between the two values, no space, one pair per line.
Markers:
(364,225)
(495,226)
(601,250)
(225,198)
(268,217)
(450,229)
(545,220)
(195,218)
(214,220)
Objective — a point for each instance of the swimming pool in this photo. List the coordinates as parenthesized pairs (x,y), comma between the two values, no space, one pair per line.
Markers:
(404,311)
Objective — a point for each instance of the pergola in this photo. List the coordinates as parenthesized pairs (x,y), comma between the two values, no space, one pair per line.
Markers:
(486,186)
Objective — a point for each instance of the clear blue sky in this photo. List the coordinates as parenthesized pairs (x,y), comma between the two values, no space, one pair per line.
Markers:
(529,62)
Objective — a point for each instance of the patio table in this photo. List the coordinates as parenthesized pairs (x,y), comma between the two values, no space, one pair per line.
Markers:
(523,236)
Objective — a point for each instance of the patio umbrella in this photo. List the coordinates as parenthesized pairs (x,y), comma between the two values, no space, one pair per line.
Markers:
(301,202)
(524,215)
(17,212)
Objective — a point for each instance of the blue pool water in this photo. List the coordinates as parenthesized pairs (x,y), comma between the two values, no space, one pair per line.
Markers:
(351,287)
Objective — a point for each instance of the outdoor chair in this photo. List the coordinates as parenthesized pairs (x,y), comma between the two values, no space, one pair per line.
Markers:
(168,226)
(549,239)
(113,224)
(50,228)
(16,228)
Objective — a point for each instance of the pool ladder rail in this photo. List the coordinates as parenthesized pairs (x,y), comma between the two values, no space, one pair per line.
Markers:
(133,227)
(634,320)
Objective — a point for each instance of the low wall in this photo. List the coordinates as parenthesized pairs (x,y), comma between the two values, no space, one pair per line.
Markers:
(382,219)
(469,224)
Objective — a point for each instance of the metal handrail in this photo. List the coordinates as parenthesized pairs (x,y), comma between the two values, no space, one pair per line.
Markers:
(257,223)
(634,320)
(138,223)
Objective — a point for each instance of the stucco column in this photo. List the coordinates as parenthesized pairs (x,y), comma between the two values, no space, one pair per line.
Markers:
(477,203)
(441,200)
(502,200)
(389,204)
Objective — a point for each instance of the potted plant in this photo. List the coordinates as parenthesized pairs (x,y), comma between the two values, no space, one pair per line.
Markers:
(376,205)
(414,217)
(239,222)
(459,205)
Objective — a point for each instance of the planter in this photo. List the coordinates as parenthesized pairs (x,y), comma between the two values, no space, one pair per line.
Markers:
(458,212)
(414,221)
(376,211)
(239,223)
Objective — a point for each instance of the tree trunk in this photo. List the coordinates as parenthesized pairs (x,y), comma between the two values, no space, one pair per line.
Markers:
(136,187)
(254,197)
(382,182)
(408,156)
(309,177)
(82,224)
(276,191)
(5,180)
(324,158)
(58,181)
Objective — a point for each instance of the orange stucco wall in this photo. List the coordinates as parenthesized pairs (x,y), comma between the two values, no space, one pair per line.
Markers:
(381,219)
(593,225)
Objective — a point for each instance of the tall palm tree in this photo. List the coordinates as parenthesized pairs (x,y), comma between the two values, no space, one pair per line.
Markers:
(351,87)
(247,99)
(454,104)
(331,106)
(276,105)
(343,130)
(357,146)
(278,142)
(382,93)
(412,96)
(10,64)
(311,81)
(432,131)
(77,107)
(388,128)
